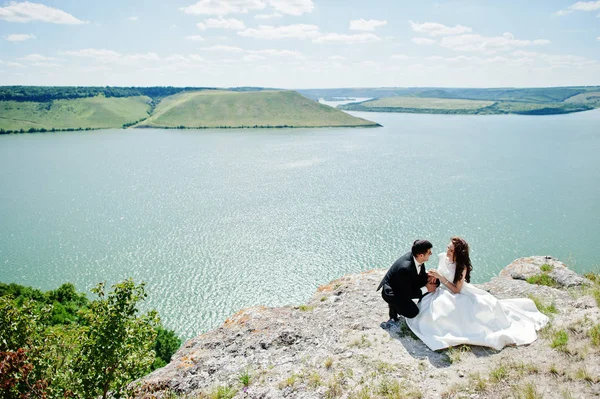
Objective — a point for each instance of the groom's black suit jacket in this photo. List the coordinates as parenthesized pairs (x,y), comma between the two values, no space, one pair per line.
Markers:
(403,279)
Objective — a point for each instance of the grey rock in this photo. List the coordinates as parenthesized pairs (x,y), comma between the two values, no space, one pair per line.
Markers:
(345,342)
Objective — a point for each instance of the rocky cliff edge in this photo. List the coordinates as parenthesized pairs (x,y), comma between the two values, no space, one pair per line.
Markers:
(339,346)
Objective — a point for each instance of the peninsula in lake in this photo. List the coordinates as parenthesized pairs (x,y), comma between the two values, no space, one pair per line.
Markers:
(521,101)
(48,108)
(41,109)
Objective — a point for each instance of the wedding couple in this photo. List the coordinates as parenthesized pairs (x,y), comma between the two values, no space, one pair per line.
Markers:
(444,310)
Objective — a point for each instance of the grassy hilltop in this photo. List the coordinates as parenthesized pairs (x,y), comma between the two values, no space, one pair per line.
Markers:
(92,112)
(42,109)
(209,109)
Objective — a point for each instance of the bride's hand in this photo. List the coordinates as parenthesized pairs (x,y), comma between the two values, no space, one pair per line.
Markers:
(434,273)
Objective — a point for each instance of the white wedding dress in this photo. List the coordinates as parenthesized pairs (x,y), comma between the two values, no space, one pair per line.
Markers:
(474,317)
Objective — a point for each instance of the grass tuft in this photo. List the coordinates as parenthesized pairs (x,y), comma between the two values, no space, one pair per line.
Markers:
(594,334)
(499,374)
(560,340)
(362,343)
(244,378)
(543,279)
(545,309)
(546,267)
(529,392)
(223,392)
(454,353)
(328,363)
(305,308)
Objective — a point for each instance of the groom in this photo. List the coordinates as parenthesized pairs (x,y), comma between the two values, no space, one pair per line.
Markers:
(407,281)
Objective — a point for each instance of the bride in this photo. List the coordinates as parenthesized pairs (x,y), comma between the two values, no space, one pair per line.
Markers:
(458,313)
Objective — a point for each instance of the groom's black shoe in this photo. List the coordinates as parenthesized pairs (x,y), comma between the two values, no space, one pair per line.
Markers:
(393,315)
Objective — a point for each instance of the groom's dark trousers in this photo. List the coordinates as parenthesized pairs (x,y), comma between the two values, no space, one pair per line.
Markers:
(401,285)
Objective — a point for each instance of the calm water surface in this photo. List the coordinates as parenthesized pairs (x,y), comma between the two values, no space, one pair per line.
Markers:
(215,221)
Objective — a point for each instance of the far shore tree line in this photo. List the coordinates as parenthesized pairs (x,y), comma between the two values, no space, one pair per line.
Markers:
(50,93)
(59,344)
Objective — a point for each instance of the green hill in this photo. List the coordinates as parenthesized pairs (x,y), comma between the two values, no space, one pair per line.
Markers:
(213,109)
(91,112)
(471,107)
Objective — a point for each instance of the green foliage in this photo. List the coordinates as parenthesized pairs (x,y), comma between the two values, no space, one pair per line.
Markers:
(244,378)
(500,373)
(118,345)
(223,392)
(594,334)
(542,279)
(166,343)
(548,310)
(49,93)
(71,347)
(560,339)
(20,324)
(546,267)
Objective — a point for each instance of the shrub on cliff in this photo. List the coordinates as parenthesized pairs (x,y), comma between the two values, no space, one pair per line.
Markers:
(58,344)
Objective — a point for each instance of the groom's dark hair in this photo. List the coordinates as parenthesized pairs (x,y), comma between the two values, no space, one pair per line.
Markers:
(421,247)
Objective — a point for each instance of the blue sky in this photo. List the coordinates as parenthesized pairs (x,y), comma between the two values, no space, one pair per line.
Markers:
(300,43)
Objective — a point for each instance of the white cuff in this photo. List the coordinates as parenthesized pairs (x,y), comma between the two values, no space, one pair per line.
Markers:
(424,290)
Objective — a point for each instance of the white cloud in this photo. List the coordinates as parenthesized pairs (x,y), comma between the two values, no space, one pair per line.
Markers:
(556,60)
(268,16)
(253,57)
(401,57)
(483,44)
(435,29)
(598,38)
(221,23)
(297,31)
(262,53)
(368,64)
(348,39)
(423,40)
(110,56)
(224,7)
(366,25)
(46,65)
(292,7)
(279,53)
(19,37)
(26,12)
(580,6)
(227,49)
(195,38)
(336,58)
(133,18)
(12,64)
(36,58)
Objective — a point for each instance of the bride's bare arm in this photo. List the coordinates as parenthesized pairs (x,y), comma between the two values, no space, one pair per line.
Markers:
(455,288)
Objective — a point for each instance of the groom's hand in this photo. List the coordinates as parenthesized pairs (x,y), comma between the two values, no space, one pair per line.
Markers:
(430,287)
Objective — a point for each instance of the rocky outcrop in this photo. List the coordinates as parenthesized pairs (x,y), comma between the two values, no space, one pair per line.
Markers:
(338,345)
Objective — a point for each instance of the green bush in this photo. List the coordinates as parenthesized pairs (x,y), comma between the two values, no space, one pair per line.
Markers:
(58,344)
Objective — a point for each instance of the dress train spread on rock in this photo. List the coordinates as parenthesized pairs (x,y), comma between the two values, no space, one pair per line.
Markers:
(474,317)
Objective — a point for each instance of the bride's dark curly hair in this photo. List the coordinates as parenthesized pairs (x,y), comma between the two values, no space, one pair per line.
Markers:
(462,259)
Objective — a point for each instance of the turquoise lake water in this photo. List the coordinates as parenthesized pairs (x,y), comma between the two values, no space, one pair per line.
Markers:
(218,220)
